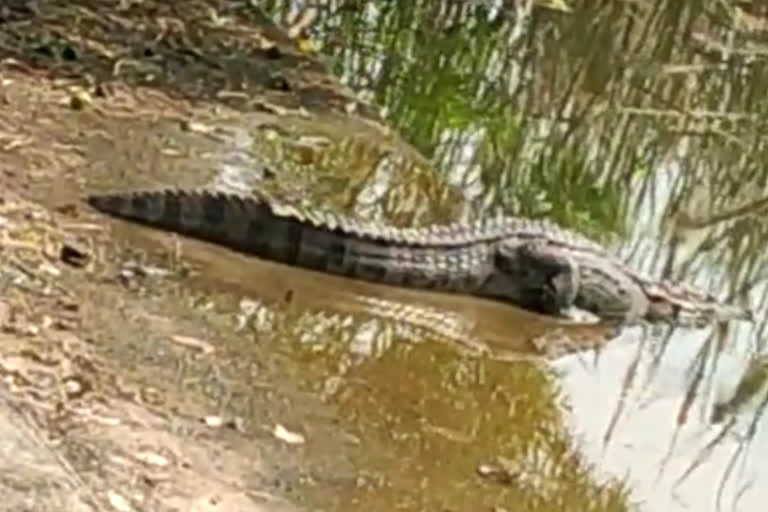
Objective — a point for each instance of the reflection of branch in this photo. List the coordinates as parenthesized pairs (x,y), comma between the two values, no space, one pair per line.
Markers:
(695,114)
(522,22)
(687,221)
(687,69)
(708,132)
(709,43)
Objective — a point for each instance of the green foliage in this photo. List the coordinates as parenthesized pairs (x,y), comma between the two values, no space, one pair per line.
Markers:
(569,192)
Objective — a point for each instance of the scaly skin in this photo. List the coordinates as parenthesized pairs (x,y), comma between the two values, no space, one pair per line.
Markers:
(536,265)
(330,244)
(618,294)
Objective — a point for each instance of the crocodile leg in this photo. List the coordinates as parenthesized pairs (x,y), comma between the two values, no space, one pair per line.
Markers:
(611,294)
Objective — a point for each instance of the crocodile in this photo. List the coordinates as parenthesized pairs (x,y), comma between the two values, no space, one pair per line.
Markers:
(533,264)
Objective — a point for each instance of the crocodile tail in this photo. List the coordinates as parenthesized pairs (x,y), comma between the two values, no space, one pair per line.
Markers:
(283,234)
(243,224)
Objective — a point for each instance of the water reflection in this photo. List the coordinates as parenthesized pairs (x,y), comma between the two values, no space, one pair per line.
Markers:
(649,121)
(429,382)
(328,164)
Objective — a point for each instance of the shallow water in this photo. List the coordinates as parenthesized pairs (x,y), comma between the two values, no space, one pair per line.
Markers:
(638,132)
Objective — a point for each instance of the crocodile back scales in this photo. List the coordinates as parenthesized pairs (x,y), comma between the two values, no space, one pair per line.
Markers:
(320,242)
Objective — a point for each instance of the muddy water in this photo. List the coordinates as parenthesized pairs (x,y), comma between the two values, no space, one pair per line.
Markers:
(415,413)
(652,97)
